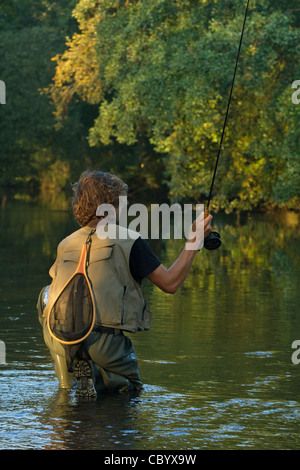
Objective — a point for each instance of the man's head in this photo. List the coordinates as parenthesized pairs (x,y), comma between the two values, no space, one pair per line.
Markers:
(93,189)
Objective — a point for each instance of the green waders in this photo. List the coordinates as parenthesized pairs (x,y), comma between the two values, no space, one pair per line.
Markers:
(113,359)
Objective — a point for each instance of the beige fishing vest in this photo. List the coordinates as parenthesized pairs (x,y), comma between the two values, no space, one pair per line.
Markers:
(118,297)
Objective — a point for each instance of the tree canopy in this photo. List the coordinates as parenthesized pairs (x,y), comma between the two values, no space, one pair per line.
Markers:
(145,84)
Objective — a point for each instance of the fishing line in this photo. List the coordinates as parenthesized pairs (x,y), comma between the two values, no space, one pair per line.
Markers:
(213,241)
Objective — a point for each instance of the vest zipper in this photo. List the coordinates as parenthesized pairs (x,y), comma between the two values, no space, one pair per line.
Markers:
(123,309)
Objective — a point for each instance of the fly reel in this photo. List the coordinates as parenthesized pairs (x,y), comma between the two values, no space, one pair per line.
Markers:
(212,241)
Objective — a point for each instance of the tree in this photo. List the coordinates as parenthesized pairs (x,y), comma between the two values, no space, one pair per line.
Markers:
(34,156)
(161,70)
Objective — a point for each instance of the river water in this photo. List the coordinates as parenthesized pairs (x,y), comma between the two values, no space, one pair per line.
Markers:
(216,365)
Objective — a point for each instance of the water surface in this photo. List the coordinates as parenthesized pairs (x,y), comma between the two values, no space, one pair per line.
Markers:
(216,365)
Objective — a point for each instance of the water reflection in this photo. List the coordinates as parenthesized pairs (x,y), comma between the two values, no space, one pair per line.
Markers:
(106,423)
(216,364)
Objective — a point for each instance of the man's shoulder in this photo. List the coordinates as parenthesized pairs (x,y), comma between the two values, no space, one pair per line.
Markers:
(79,236)
(115,232)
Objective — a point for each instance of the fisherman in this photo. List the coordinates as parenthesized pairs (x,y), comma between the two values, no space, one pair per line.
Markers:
(106,360)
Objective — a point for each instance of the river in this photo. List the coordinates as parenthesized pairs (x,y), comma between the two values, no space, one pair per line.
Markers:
(216,365)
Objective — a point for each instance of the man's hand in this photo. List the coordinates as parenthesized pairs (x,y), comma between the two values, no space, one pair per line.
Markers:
(200,229)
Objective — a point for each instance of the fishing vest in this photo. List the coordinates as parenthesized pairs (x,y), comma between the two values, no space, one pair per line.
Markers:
(118,298)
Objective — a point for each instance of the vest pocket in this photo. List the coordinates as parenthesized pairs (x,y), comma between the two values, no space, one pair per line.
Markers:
(96,254)
(146,317)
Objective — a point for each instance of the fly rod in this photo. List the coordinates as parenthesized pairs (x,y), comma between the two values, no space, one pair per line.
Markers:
(213,240)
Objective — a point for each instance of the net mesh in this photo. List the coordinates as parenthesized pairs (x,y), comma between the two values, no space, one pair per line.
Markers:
(71,316)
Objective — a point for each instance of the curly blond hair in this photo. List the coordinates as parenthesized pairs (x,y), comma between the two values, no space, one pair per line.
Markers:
(93,189)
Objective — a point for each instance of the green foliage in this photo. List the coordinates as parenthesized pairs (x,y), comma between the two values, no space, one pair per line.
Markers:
(165,69)
(32,33)
(146,83)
